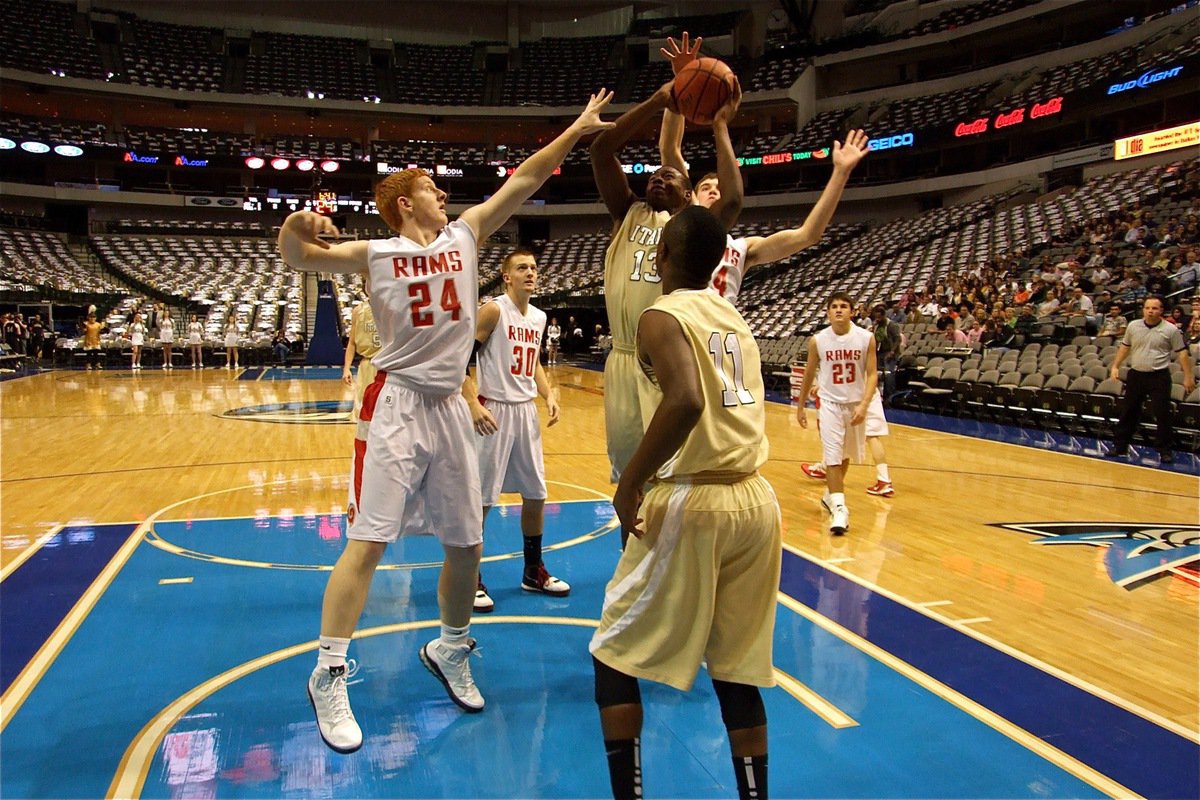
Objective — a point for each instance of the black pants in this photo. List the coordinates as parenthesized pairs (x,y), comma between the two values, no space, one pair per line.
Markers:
(1138,387)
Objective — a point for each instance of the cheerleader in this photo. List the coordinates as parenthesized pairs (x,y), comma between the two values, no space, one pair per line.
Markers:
(231,343)
(195,332)
(166,336)
(553,336)
(137,337)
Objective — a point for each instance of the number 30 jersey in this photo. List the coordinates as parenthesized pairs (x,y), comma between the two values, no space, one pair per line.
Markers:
(424,301)
(509,358)
(843,364)
(731,434)
(631,279)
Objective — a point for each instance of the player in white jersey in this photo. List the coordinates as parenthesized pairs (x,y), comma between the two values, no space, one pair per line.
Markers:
(420,449)
(841,358)
(509,376)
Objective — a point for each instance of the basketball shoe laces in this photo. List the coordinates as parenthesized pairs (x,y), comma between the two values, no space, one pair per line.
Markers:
(457,658)
(337,696)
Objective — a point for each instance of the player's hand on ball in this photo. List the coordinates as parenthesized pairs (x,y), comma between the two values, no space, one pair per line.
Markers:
(589,121)
(681,56)
(847,155)
(309,226)
(728,111)
(627,501)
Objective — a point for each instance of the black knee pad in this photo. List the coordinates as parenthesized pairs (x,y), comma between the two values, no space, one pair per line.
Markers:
(615,688)
(741,705)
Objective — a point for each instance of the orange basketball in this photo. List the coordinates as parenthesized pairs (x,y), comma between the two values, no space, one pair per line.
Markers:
(701,88)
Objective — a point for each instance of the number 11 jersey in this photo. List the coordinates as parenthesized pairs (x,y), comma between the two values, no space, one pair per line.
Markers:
(424,301)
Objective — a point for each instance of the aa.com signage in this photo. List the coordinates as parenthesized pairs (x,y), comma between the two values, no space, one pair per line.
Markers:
(1157,141)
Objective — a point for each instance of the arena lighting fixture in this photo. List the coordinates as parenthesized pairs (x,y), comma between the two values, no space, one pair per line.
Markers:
(305,164)
(7,144)
(255,162)
(280,163)
(35,147)
(68,150)
(330,166)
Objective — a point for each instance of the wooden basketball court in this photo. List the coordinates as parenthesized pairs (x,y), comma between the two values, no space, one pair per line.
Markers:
(91,449)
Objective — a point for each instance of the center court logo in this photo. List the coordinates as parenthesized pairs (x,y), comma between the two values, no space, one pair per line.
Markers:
(312,412)
(1136,553)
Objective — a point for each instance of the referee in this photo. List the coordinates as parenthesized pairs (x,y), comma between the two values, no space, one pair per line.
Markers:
(1149,342)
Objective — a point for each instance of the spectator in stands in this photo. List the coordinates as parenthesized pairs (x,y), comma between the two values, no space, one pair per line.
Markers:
(954,337)
(1050,305)
(966,320)
(895,313)
(91,340)
(889,341)
(1193,333)
(1080,303)
(928,307)
(1026,322)
(280,347)
(1178,318)
(1150,343)
(1114,323)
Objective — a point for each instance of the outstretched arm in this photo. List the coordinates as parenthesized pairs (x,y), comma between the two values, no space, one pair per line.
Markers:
(729,176)
(670,136)
(764,250)
(610,180)
(302,250)
(487,217)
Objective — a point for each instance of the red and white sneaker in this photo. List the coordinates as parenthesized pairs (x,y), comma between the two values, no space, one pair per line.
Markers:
(545,583)
(815,471)
(881,489)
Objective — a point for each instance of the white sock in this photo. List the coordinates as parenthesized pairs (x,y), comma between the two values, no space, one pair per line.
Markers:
(454,637)
(819,466)
(332,652)
(881,471)
(837,499)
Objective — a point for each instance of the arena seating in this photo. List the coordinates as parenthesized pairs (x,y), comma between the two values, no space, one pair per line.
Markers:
(169,56)
(562,72)
(43,37)
(49,131)
(37,260)
(438,75)
(292,65)
(193,143)
(963,14)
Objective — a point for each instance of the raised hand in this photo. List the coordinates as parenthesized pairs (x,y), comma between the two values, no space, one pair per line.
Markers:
(589,121)
(849,154)
(308,226)
(679,56)
(727,112)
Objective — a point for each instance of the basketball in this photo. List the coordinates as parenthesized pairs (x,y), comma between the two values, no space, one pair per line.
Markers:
(701,88)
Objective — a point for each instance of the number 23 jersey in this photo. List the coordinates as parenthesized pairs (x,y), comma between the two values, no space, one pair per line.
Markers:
(424,301)
(509,358)
(843,364)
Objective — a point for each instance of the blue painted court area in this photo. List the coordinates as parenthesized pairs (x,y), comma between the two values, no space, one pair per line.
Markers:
(187,679)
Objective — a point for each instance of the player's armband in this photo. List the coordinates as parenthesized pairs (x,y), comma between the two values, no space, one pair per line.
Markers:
(474,359)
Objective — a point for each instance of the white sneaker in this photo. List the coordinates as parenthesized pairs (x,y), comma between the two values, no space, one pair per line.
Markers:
(545,583)
(449,665)
(335,720)
(483,601)
(839,520)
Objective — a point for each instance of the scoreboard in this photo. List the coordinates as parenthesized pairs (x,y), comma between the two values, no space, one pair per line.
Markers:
(325,201)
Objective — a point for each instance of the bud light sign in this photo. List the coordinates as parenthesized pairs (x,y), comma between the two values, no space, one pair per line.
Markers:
(1153,76)
(890,142)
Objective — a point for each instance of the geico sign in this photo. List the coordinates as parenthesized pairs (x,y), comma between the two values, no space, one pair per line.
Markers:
(1145,80)
(888,142)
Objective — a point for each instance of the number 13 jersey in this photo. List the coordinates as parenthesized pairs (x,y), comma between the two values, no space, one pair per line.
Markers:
(509,358)
(631,279)
(841,378)
(424,301)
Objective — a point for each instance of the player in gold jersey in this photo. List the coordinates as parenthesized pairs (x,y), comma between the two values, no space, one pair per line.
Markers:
(631,277)
(364,341)
(697,581)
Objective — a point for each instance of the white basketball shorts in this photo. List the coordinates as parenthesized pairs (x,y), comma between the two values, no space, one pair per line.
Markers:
(839,439)
(876,423)
(510,460)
